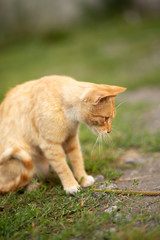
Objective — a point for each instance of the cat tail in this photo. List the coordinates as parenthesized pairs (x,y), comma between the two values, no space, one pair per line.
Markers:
(16,169)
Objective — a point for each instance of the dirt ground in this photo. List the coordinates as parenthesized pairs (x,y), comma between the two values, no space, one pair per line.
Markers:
(143,167)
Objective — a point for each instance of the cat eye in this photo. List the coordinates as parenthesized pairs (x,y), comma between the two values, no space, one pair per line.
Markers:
(106,118)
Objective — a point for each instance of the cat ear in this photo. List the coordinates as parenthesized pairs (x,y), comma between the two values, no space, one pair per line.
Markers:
(115,89)
(100,95)
(94,96)
(111,91)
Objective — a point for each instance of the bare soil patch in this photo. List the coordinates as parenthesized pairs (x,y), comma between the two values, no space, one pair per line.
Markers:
(145,169)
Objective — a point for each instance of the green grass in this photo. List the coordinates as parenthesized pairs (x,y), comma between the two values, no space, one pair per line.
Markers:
(48,214)
(109,52)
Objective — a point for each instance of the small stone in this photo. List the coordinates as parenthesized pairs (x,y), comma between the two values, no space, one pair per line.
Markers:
(102,186)
(130,161)
(150,159)
(32,186)
(112,230)
(112,186)
(117,201)
(111,209)
(128,217)
(134,173)
(151,170)
(117,216)
(142,160)
(156,188)
(99,178)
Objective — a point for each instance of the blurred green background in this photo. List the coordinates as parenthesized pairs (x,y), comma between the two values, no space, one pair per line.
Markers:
(105,42)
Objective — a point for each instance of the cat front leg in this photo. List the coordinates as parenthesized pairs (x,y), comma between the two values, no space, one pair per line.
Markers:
(73,151)
(55,155)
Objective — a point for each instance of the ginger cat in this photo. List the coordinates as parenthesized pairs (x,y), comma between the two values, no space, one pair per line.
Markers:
(39,123)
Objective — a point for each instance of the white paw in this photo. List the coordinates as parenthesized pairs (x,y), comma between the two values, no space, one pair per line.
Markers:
(88,181)
(72,189)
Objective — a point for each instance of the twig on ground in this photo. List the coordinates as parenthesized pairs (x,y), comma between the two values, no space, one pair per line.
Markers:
(123,192)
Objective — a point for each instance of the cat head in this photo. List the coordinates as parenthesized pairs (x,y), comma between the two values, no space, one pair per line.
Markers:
(98,107)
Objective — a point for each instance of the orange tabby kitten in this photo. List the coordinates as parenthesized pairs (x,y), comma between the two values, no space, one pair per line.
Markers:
(39,123)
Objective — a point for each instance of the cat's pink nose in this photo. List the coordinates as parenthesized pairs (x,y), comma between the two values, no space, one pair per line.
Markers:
(108,131)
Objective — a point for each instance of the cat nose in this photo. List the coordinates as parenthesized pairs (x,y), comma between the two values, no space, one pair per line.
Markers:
(108,131)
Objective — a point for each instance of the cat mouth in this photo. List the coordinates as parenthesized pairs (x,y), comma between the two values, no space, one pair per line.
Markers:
(97,132)
(105,131)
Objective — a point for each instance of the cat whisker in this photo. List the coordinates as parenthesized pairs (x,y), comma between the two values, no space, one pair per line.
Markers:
(109,136)
(121,103)
(105,139)
(97,139)
(101,141)
(115,130)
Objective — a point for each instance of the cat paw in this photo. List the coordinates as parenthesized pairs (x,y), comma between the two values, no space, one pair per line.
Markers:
(88,181)
(72,189)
